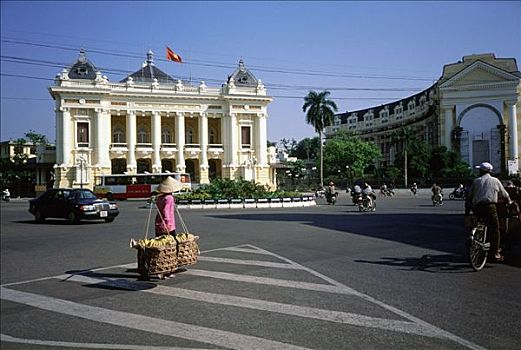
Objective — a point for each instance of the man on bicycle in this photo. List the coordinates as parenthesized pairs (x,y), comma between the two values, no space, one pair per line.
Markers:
(483,198)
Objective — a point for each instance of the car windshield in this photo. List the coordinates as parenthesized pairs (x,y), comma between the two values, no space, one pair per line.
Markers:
(84,195)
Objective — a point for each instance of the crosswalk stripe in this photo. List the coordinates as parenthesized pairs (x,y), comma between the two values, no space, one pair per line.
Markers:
(145,323)
(65,344)
(269,281)
(249,262)
(263,305)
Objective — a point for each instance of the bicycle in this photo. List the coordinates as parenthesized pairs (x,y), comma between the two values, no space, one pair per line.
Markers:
(478,246)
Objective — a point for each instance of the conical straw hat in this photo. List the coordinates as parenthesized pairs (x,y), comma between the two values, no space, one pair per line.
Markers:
(169,185)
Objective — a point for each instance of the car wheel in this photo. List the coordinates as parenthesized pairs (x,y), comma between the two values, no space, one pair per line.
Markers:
(38,217)
(110,196)
(72,218)
(109,219)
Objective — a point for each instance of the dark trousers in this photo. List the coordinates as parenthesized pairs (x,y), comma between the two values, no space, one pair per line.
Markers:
(488,213)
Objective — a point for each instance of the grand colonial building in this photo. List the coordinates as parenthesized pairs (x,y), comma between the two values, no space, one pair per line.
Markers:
(473,109)
(151,122)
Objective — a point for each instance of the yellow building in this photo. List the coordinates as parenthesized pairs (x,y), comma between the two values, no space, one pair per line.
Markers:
(151,122)
(473,109)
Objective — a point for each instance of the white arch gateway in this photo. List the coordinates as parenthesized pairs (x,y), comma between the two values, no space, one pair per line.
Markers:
(478,99)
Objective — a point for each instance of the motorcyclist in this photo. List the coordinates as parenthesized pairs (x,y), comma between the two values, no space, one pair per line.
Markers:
(368,191)
(355,193)
(436,190)
(6,195)
(414,188)
(330,191)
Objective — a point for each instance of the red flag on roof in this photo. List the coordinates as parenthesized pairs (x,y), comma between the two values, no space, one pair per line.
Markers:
(172,56)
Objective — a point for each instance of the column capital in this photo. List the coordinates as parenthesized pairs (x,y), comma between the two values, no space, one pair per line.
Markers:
(510,103)
(180,114)
(65,109)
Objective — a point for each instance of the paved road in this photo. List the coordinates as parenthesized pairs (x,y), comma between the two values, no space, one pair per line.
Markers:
(321,277)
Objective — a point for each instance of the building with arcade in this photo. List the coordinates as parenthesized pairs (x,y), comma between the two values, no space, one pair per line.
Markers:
(152,122)
(473,109)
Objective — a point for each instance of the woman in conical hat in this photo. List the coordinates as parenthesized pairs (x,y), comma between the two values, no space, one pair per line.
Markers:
(165,203)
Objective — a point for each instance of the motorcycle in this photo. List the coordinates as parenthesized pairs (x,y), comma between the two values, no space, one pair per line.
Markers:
(387,192)
(457,193)
(320,193)
(331,197)
(437,200)
(366,203)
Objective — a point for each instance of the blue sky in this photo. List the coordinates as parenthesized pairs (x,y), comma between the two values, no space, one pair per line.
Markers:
(292,46)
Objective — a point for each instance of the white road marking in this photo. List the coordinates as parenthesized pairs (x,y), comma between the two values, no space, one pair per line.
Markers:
(263,305)
(335,287)
(145,323)
(268,281)
(54,344)
(249,262)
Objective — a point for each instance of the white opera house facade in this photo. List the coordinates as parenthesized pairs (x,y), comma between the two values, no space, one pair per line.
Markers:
(151,122)
(473,109)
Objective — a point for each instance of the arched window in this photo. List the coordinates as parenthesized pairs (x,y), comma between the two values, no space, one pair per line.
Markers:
(143,136)
(166,137)
(118,136)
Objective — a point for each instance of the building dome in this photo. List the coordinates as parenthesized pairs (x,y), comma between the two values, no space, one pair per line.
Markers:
(82,68)
(149,72)
(242,76)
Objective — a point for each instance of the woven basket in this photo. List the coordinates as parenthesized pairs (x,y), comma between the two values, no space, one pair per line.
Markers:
(157,260)
(187,252)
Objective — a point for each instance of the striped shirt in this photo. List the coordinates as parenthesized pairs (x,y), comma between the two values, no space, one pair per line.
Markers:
(486,189)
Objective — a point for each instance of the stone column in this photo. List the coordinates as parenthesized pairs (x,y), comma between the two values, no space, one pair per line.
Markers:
(180,141)
(203,143)
(59,135)
(261,141)
(131,142)
(103,138)
(233,139)
(156,142)
(448,127)
(67,135)
(512,131)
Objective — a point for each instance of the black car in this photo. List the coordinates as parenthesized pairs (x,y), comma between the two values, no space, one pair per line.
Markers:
(72,204)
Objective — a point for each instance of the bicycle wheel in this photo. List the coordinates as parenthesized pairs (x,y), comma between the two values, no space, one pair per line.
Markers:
(479,247)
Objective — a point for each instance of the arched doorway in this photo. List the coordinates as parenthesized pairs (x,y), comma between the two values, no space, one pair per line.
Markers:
(118,165)
(214,169)
(192,168)
(481,138)
(144,165)
(167,165)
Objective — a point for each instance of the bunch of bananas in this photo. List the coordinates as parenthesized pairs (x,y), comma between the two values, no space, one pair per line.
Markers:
(153,242)
(182,237)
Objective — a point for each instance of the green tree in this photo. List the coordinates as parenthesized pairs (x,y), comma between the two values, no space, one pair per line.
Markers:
(347,155)
(319,113)
(37,139)
(307,148)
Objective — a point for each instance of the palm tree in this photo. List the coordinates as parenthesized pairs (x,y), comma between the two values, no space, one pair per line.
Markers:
(404,135)
(319,113)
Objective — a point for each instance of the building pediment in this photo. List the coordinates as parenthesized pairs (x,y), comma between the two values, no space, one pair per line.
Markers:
(477,74)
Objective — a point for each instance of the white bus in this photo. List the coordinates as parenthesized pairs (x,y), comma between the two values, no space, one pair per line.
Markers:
(124,186)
